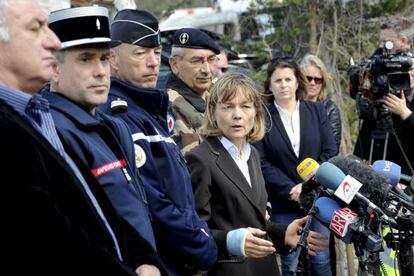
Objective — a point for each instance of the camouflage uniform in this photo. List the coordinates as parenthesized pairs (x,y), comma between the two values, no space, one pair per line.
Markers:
(188,110)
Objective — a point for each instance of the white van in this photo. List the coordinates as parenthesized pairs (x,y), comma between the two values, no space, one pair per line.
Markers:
(232,24)
(223,23)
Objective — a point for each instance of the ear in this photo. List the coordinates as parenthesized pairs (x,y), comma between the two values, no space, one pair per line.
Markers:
(114,60)
(55,70)
(405,42)
(173,65)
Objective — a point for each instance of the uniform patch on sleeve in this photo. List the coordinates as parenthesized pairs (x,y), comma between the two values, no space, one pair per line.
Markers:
(140,156)
(170,122)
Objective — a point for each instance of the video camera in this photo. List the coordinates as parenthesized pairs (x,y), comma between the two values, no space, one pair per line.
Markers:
(385,72)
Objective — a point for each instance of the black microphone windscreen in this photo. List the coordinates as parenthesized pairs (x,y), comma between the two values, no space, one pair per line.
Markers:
(375,187)
(308,194)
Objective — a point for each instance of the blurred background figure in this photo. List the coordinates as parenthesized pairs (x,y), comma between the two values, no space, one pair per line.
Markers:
(298,129)
(222,63)
(317,89)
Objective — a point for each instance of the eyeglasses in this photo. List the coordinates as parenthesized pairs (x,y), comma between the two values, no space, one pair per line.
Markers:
(199,61)
(315,79)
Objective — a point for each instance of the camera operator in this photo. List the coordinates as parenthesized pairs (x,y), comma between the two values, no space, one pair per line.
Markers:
(401,108)
(397,105)
(399,34)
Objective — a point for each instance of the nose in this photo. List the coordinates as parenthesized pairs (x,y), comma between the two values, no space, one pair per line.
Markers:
(153,60)
(237,112)
(101,68)
(206,67)
(51,42)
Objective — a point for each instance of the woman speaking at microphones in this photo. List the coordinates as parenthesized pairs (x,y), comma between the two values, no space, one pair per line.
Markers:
(229,187)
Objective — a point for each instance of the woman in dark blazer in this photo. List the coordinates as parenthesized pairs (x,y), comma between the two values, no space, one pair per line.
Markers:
(298,129)
(229,186)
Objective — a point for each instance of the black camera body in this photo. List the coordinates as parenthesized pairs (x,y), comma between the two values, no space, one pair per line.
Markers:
(372,79)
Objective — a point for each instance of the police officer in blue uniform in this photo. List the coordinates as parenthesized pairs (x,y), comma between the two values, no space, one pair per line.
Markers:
(183,240)
(80,82)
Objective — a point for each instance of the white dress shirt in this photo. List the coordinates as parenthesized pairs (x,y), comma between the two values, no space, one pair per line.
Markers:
(240,158)
(292,127)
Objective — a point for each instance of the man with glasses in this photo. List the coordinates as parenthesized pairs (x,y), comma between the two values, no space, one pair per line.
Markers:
(183,240)
(193,63)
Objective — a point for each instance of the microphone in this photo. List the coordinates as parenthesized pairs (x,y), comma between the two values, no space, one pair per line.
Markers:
(376,187)
(392,171)
(345,224)
(346,188)
(338,219)
(306,170)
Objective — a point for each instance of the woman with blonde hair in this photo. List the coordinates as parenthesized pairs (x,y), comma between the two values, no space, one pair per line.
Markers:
(317,90)
(228,184)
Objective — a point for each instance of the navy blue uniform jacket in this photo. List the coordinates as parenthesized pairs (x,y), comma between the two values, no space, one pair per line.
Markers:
(104,145)
(183,239)
(278,159)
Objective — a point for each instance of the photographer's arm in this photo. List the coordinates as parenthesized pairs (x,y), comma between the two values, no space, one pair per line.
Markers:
(397,105)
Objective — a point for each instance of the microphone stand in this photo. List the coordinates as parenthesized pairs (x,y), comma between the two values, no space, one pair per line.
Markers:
(300,263)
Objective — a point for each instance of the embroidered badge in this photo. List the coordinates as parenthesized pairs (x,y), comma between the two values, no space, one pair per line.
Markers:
(140,156)
(170,122)
(184,38)
(98,24)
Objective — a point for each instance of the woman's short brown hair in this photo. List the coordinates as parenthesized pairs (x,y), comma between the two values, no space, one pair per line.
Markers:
(224,90)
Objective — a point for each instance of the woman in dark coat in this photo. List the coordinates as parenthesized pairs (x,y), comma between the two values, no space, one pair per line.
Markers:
(229,187)
(298,129)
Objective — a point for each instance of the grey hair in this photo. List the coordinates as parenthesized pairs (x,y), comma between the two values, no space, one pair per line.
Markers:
(59,55)
(177,51)
(4,30)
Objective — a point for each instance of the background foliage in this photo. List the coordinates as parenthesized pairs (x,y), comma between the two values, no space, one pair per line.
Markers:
(335,30)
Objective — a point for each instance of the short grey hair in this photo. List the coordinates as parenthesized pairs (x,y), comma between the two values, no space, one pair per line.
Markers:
(4,30)
(59,55)
(177,51)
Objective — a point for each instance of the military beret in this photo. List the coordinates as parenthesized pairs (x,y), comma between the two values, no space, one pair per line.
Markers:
(136,27)
(194,39)
(81,26)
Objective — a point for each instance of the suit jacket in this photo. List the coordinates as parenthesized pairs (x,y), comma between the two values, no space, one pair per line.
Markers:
(226,201)
(49,225)
(279,160)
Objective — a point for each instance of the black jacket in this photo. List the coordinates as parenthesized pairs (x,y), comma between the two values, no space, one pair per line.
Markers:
(226,201)
(49,224)
(404,130)
(334,118)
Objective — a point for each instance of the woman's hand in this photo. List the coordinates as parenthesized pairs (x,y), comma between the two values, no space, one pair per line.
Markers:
(148,270)
(317,242)
(255,246)
(295,192)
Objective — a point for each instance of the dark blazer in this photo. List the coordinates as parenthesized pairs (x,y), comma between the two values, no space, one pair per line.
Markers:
(49,224)
(225,200)
(279,160)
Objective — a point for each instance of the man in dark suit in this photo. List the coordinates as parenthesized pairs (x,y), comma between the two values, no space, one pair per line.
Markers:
(54,221)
